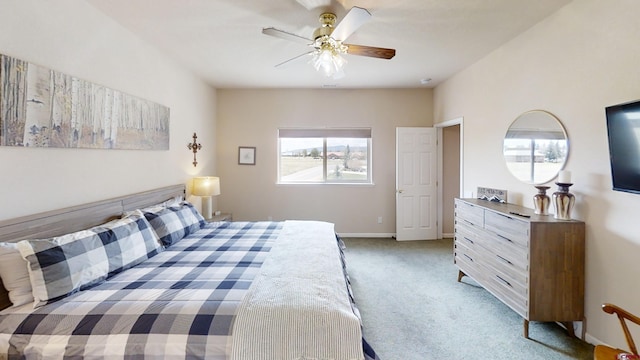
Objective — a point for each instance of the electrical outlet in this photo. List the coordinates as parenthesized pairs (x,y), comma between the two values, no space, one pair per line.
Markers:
(269,218)
(379,219)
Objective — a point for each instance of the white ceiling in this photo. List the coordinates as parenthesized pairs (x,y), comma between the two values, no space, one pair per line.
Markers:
(222,40)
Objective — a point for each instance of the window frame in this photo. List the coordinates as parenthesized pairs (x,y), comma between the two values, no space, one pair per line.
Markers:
(325,134)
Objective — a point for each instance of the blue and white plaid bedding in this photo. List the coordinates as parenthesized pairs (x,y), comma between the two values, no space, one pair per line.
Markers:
(180,304)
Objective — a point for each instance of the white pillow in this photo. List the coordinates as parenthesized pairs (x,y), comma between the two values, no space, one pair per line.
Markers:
(15,274)
(175,201)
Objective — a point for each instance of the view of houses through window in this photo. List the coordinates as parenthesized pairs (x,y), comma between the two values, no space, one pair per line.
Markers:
(535,160)
(324,156)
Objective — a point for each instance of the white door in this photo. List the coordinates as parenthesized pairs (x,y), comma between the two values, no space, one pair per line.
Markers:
(416,192)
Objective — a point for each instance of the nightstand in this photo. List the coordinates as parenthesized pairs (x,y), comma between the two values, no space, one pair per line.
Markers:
(221,217)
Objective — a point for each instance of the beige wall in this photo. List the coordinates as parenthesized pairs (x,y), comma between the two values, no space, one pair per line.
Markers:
(252,118)
(573,64)
(73,37)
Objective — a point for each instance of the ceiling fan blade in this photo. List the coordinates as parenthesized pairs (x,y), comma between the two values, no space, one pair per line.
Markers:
(355,18)
(293,59)
(376,52)
(271,31)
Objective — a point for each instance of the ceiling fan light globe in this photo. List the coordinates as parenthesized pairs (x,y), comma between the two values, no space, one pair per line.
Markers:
(329,62)
(339,61)
(325,57)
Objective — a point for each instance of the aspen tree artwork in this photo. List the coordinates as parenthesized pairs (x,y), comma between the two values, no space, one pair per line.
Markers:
(40,107)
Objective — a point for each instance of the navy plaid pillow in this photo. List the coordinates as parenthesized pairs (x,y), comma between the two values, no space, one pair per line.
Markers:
(128,242)
(173,223)
(190,216)
(167,225)
(63,265)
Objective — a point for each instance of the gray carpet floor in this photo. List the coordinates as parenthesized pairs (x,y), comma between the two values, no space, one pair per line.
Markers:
(413,308)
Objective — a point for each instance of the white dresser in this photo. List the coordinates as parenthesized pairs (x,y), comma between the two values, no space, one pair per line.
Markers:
(534,264)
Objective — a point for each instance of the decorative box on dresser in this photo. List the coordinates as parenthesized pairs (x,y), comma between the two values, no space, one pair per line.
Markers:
(532,263)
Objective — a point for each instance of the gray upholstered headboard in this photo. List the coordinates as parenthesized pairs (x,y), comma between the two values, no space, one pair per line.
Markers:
(75,218)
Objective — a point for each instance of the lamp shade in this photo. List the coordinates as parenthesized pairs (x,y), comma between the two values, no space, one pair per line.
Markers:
(206,186)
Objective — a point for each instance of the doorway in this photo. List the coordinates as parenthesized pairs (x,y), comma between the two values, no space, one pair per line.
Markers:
(450,172)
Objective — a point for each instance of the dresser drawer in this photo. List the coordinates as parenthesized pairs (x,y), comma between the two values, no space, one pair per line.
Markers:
(506,292)
(465,253)
(469,213)
(506,250)
(468,231)
(467,259)
(508,267)
(512,229)
(502,269)
(465,240)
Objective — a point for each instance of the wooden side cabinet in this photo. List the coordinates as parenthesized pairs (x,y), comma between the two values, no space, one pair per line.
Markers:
(533,263)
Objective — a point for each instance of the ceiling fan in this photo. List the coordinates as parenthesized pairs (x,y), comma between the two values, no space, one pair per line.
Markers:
(327,42)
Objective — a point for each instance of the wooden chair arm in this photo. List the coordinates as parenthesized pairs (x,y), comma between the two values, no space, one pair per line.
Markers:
(622,316)
(610,309)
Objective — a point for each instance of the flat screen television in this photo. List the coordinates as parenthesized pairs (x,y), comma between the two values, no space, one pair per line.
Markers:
(623,130)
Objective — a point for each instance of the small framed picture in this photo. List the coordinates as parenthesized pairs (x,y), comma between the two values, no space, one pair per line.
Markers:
(246,155)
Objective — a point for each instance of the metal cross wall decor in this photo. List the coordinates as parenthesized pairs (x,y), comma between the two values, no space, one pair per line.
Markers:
(194,147)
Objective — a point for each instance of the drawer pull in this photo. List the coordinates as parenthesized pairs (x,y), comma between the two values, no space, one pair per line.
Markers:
(505,216)
(468,222)
(468,257)
(504,281)
(505,260)
(469,240)
(504,237)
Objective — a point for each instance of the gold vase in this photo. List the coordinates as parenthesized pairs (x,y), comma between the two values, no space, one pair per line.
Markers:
(563,201)
(541,201)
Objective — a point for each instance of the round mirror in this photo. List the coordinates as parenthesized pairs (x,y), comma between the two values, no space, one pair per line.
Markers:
(535,147)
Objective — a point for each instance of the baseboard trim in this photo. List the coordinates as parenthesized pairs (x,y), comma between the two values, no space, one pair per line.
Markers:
(382,235)
(367,235)
(594,341)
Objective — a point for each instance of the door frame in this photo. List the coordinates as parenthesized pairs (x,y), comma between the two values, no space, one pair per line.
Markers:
(439,128)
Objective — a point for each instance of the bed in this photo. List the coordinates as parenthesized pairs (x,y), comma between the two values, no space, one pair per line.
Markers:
(145,277)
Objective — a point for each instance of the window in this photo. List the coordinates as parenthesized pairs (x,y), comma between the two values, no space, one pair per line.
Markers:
(311,156)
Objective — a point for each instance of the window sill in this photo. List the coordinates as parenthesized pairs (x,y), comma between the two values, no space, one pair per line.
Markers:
(324,183)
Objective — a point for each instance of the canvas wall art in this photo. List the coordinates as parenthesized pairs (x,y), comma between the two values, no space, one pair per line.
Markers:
(40,107)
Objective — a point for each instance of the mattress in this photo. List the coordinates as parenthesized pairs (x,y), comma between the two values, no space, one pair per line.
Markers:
(182,303)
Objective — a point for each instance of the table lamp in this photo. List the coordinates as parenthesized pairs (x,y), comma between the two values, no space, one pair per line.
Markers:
(206,187)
